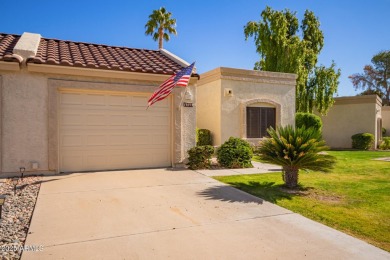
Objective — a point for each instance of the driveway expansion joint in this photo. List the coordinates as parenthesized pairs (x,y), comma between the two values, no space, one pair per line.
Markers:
(171,229)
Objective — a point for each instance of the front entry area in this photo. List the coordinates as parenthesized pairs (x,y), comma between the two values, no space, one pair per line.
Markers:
(112,130)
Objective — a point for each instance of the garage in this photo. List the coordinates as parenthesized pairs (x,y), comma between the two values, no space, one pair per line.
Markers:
(101,130)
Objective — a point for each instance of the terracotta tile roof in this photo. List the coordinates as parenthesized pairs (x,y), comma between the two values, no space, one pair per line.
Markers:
(95,56)
(7,44)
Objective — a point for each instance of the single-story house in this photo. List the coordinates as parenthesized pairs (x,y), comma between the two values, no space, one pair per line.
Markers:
(71,106)
(352,115)
(244,103)
(386,119)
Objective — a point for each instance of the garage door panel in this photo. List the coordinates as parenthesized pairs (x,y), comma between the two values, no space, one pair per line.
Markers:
(160,120)
(96,140)
(96,119)
(160,139)
(161,104)
(95,100)
(121,140)
(71,119)
(71,99)
(71,140)
(139,101)
(118,120)
(140,120)
(72,161)
(108,131)
(141,139)
(118,100)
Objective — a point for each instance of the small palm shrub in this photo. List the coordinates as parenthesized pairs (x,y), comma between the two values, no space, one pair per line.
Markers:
(385,144)
(199,157)
(203,137)
(235,153)
(362,141)
(295,149)
(308,120)
(383,131)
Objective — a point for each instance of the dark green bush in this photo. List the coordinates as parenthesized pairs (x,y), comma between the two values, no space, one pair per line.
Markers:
(383,131)
(308,120)
(362,141)
(199,157)
(385,144)
(203,137)
(235,153)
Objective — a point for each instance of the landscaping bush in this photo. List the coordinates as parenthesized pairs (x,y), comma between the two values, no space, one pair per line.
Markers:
(203,137)
(362,141)
(385,144)
(383,131)
(199,157)
(295,149)
(235,153)
(308,120)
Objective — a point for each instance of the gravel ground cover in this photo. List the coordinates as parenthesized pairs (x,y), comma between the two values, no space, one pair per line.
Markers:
(16,215)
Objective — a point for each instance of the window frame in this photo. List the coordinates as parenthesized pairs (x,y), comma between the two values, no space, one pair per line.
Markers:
(258,120)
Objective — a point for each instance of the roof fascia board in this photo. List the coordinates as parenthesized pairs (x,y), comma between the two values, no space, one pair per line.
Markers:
(248,75)
(175,58)
(72,71)
(367,99)
(12,66)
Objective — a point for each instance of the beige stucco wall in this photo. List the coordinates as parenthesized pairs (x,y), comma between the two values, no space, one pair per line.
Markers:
(386,119)
(349,116)
(24,121)
(248,88)
(29,130)
(208,110)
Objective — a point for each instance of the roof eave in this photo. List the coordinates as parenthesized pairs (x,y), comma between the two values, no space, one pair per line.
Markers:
(87,72)
(9,65)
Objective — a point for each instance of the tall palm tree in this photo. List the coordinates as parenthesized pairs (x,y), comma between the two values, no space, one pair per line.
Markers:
(160,25)
(295,149)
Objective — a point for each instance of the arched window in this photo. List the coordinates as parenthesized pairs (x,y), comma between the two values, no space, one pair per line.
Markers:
(258,120)
(257,116)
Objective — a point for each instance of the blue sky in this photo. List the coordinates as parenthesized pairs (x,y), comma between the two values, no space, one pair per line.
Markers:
(209,32)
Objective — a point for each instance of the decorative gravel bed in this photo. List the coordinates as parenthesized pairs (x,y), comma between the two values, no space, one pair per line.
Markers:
(16,215)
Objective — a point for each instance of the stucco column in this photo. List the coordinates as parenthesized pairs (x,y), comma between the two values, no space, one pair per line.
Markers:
(185,125)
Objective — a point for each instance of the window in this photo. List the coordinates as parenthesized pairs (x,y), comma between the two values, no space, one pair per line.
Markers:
(258,119)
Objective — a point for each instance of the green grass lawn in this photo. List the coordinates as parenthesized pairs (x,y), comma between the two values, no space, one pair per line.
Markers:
(353,198)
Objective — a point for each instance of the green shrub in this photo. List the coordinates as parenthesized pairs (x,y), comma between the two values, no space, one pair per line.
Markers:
(235,153)
(308,120)
(362,141)
(203,137)
(385,144)
(383,131)
(294,149)
(199,157)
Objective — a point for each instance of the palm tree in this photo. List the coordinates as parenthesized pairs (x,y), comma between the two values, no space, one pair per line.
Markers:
(160,25)
(295,149)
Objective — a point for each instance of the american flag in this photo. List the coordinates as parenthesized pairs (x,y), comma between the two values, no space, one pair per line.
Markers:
(179,79)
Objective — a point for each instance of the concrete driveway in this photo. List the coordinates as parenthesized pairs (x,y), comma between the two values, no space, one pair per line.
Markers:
(159,214)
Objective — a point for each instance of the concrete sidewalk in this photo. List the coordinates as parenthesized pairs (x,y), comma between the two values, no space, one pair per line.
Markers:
(167,214)
(257,168)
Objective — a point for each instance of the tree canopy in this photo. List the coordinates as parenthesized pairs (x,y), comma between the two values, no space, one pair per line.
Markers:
(375,78)
(283,48)
(160,25)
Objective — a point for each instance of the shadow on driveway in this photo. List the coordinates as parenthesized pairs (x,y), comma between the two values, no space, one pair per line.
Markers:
(228,194)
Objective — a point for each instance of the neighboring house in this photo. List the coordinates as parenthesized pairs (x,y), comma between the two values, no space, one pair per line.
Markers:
(244,103)
(386,119)
(70,106)
(352,115)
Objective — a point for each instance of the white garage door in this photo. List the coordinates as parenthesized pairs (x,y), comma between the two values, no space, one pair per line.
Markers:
(107,131)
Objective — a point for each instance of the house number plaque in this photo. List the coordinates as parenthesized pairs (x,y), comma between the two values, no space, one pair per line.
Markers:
(187,104)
